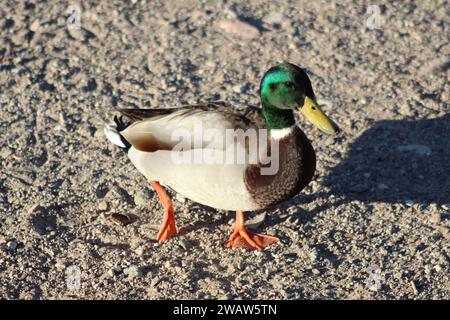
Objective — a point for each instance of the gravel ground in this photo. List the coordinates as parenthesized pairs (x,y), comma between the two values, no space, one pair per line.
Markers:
(375,223)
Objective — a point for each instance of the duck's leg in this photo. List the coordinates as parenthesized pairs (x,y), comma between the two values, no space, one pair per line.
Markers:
(242,238)
(168,228)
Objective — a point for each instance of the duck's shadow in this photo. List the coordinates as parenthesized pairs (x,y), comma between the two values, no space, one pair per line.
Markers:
(397,161)
(393,161)
(208,219)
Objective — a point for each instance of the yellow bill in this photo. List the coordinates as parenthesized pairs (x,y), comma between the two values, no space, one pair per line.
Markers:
(312,112)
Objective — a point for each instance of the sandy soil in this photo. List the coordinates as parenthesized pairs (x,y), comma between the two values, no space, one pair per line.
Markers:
(375,223)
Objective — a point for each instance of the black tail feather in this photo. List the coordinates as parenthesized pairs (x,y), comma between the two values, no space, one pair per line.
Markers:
(120,126)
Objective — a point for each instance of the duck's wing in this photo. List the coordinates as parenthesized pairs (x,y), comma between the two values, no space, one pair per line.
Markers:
(195,126)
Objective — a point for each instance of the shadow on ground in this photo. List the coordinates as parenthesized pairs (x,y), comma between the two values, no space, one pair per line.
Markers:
(396,161)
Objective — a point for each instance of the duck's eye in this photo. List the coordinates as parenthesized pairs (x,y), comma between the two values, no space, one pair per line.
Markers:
(314,108)
(289,84)
(273,86)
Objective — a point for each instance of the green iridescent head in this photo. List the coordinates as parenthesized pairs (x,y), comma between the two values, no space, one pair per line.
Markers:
(286,88)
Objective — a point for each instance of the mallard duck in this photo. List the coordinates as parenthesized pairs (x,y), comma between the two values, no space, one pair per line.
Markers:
(170,147)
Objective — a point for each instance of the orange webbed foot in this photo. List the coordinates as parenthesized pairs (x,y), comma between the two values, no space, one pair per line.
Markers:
(243,238)
(247,239)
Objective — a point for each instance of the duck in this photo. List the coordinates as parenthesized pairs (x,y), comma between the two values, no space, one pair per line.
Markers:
(225,155)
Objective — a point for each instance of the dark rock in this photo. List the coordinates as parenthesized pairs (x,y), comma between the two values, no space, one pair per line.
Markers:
(9,23)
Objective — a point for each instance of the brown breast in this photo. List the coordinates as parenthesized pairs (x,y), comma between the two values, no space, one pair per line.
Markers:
(297,164)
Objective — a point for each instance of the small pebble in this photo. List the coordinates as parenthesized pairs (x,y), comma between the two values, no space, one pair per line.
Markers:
(35,207)
(186,245)
(78,33)
(427,270)
(142,198)
(237,88)
(437,268)
(132,272)
(409,203)
(274,18)
(102,189)
(139,251)
(414,288)
(120,219)
(239,29)
(35,25)
(11,245)
(102,206)
(313,255)
(60,265)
